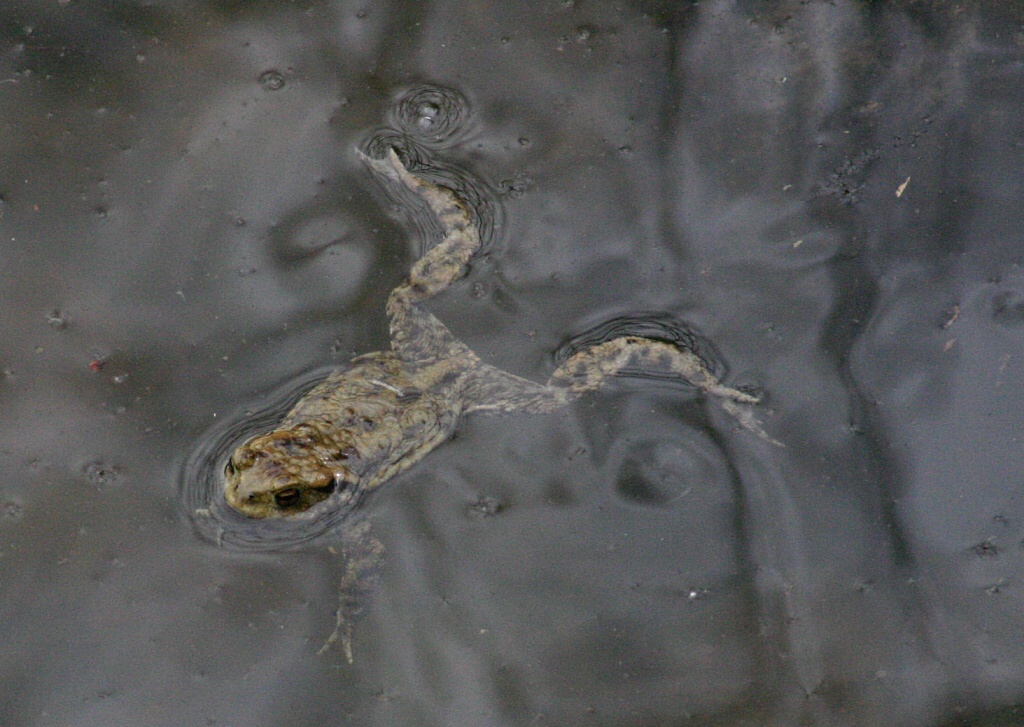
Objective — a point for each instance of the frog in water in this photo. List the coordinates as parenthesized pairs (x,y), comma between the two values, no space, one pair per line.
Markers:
(384,411)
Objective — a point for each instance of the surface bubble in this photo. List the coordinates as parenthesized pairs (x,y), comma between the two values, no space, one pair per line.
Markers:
(56,319)
(583,33)
(271,80)
(428,116)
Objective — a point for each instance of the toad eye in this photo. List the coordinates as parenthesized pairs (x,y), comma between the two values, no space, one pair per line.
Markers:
(229,468)
(288,497)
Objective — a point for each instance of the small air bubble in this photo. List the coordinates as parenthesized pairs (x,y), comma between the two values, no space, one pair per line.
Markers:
(272,80)
(524,141)
(428,114)
(11,510)
(57,319)
(583,33)
(101,212)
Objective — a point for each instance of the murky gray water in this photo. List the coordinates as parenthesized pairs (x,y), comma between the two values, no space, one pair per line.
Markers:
(828,192)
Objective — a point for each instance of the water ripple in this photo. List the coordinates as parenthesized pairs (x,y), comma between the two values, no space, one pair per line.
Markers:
(201,481)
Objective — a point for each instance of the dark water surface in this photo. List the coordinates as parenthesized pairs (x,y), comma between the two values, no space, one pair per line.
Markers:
(830,193)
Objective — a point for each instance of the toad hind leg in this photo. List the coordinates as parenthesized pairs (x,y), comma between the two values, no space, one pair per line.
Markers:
(415,333)
(592,367)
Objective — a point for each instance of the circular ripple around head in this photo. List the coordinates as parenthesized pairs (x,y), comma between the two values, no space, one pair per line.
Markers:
(657,326)
(431,114)
(201,482)
(467,186)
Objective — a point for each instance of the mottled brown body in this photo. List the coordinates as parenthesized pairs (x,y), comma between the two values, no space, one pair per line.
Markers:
(385,411)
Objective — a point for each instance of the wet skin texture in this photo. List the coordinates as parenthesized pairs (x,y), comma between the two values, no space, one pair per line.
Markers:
(384,411)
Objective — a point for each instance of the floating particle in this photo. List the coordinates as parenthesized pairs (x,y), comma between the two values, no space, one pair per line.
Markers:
(486,506)
(100,473)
